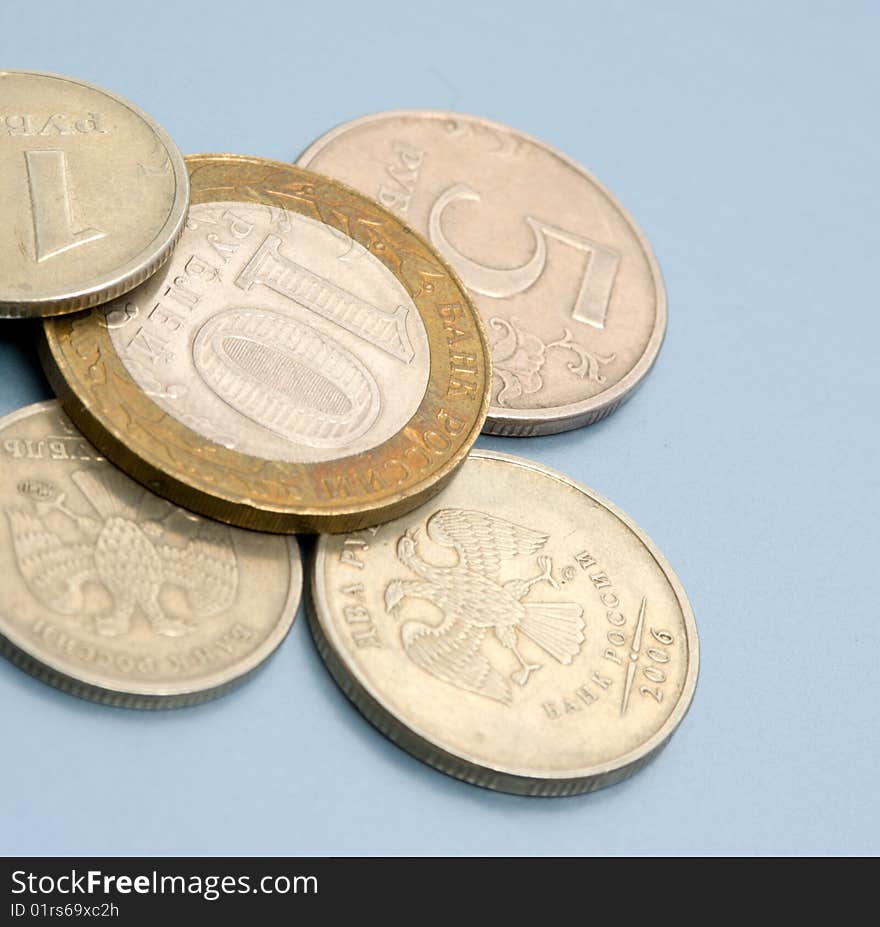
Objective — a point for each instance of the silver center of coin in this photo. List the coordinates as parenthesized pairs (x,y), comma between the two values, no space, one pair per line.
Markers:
(276,336)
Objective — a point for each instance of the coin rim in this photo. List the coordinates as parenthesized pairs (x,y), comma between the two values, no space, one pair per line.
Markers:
(146,262)
(87,685)
(378,711)
(509,422)
(242,512)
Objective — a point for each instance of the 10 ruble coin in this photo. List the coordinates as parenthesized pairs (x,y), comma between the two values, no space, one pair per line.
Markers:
(305,362)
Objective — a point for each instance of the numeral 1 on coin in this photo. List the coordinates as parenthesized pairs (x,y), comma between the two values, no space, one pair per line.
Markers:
(591,305)
(50,205)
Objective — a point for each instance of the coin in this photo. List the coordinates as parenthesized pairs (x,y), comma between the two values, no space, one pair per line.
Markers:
(518,631)
(305,362)
(114,594)
(93,194)
(563,277)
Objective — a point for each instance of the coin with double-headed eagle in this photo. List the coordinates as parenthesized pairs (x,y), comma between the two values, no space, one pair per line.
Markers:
(304,362)
(116,595)
(518,631)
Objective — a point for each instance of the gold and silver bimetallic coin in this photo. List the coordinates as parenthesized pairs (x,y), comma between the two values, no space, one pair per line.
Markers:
(305,362)
(114,594)
(564,279)
(518,631)
(93,195)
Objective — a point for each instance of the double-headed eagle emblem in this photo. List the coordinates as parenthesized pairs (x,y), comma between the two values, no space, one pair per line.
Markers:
(132,545)
(474,602)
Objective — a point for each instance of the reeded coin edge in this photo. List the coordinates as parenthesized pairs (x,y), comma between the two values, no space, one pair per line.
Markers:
(429,753)
(240,514)
(117,699)
(512,422)
(87,687)
(159,695)
(547,783)
(142,265)
(516,429)
(331,517)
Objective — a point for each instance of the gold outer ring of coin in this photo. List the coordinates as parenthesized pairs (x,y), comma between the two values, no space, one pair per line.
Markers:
(523,423)
(141,265)
(55,666)
(379,712)
(113,412)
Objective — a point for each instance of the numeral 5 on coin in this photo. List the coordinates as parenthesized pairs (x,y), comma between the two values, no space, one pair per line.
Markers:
(591,305)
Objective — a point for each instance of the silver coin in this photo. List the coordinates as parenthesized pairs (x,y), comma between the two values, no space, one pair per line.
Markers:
(565,281)
(518,631)
(94,194)
(114,594)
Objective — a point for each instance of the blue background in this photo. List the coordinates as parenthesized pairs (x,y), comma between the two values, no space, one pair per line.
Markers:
(743,137)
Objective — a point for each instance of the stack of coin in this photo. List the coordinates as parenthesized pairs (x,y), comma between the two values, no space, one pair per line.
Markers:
(304,362)
(239,343)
